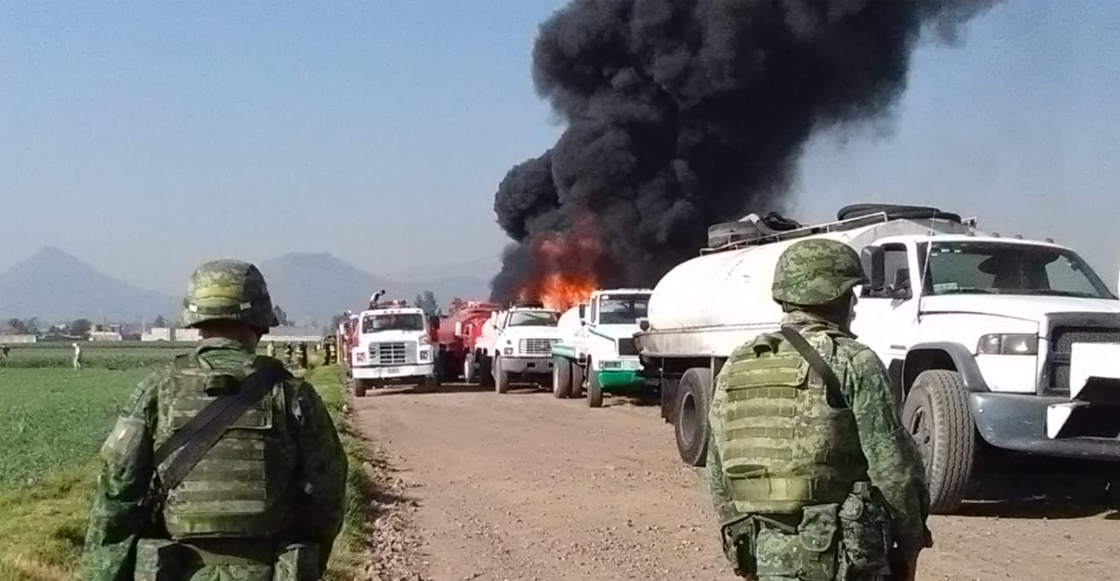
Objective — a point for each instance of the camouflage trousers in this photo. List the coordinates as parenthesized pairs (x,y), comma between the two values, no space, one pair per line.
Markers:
(162,560)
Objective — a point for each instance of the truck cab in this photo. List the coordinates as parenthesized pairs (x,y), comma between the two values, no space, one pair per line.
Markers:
(393,346)
(599,351)
(517,345)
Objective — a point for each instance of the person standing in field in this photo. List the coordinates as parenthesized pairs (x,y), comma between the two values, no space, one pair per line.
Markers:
(809,468)
(77,361)
(222,466)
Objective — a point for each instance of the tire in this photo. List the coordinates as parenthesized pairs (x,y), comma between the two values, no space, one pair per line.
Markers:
(691,428)
(561,378)
(429,384)
(486,371)
(359,387)
(578,375)
(469,374)
(895,212)
(501,377)
(594,390)
(936,414)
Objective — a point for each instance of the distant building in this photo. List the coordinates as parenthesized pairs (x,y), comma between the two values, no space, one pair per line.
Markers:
(17,339)
(293,335)
(170,334)
(105,333)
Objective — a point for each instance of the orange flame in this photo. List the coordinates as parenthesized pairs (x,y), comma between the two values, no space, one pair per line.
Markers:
(563,270)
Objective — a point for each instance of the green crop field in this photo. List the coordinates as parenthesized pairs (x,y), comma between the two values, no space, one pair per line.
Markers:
(53,420)
(117,356)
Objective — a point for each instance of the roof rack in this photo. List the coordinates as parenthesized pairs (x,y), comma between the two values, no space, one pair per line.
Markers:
(838,226)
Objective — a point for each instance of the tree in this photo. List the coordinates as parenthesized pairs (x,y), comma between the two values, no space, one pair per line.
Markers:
(17,327)
(281,316)
(427,301)
(159,322)
(80,327)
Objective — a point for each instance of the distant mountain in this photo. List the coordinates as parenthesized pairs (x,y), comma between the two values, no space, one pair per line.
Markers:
(56,286)
(314,287)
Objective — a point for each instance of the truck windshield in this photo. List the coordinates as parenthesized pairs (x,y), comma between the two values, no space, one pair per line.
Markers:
(1010,269)
(622,310)
(532,319)
(398,322)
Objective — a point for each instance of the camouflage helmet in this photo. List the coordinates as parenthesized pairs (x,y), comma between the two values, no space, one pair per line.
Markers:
(230,290)
(816,272)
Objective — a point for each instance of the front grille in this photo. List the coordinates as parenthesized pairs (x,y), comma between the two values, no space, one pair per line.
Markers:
(1061,347)
(395,353)
(536,346)
(626,346)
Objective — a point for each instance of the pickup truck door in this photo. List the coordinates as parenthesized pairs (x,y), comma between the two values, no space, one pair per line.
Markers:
(886,320)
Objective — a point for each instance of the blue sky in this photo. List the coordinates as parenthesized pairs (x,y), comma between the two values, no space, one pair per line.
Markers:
(147,137)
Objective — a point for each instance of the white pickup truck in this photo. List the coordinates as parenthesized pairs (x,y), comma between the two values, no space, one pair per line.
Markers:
(984,338)
(394,346)
(516,345)
(597,349)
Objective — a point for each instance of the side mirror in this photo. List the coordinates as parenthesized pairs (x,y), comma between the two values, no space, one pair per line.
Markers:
(872,258)
(433,321)
(583,314)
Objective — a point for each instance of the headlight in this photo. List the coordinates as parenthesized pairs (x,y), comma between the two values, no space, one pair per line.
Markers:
(1008,344)
(360,357)
(508,351)
(612,365)
(425,354)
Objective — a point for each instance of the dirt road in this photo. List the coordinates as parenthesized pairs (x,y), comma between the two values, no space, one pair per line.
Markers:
(524,486)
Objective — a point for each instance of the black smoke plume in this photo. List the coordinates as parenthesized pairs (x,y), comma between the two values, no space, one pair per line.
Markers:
(684,113)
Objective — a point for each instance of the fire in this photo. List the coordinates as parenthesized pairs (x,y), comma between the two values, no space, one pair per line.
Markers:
(564,268)
(561,291)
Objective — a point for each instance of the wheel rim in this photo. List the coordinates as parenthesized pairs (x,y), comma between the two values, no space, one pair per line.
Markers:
(687,420)
(920,430)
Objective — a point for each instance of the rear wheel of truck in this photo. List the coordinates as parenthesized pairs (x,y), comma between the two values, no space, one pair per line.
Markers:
(359,387)
(594,389)
(936,415)
(578,377)
(501,377)
(691,429)
(469,375)
(561,377)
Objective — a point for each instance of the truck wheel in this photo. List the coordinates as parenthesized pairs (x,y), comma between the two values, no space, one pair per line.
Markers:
(561,377)
(594,389)
(578,375)
(428,384)
(501,378)
(936,415)
(359,387)
(469,375)
(486,370)
(691,429)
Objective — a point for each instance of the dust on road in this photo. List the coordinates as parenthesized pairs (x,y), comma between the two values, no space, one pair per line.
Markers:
(523,486)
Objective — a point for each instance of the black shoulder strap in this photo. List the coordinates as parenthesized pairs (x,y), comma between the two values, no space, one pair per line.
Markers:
(198,436)
(815,360)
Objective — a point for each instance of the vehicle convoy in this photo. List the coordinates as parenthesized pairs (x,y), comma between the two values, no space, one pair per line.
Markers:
(457,336)
(596,349)
(515,344)
(393,346)
(980,335)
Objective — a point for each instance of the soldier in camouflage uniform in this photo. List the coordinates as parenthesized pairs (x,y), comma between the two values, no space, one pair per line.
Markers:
(265,503)
(810,484)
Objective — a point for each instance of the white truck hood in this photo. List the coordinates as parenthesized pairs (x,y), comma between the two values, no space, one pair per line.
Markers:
(391,336)
(1024,307)
(532,333)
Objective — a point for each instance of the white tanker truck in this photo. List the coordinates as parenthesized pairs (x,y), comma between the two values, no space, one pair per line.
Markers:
(977,332)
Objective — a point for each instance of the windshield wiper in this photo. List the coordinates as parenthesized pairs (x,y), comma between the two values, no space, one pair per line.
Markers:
(968,290)
(1058,293)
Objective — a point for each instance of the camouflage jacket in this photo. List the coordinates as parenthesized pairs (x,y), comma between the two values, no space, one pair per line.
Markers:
(117,519)
(894,464)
